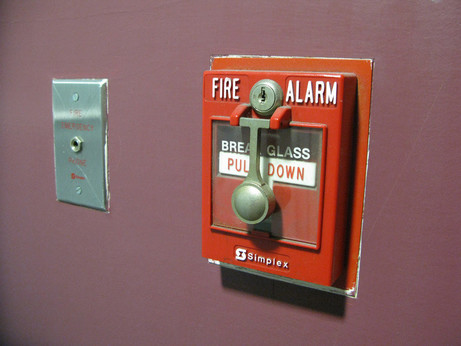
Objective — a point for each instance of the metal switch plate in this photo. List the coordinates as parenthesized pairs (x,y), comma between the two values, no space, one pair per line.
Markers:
(80,141)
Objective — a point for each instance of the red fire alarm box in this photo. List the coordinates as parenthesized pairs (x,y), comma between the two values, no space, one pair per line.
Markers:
(283,157)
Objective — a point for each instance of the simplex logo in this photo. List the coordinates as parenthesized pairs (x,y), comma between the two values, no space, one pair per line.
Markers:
(277,261)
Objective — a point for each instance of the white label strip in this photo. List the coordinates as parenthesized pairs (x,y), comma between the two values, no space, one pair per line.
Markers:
(272,169)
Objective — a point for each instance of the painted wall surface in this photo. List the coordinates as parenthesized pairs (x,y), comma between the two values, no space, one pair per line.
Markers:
(71,275)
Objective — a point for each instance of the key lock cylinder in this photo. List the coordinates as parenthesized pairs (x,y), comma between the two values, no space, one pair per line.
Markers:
(253,201)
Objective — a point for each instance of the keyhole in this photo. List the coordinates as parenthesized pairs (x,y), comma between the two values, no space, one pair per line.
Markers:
(262,95)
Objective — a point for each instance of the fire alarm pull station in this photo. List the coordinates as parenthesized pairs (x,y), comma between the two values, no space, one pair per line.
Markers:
(285,143)
(80,141)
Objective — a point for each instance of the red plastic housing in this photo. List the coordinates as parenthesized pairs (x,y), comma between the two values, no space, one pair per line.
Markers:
(305,237)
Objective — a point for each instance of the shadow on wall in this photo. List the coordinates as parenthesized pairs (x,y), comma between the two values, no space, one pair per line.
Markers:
(304,297)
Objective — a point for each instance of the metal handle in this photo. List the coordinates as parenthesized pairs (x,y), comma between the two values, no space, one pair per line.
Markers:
(253,200)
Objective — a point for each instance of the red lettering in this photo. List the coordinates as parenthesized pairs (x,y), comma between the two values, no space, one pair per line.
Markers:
(75,176)
(76,126)
(270,169)
(65,125)
(280,171)
(237,166)
(76,112)
(77,161)
(230,162)
(240,165)
(300,173)
(290,171)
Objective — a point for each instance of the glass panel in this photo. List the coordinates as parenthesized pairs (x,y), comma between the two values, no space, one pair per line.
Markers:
(290,164)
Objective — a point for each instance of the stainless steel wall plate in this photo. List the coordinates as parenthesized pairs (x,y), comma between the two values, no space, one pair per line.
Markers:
(80,141)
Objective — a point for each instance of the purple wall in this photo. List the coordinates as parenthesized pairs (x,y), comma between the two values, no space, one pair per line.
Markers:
(70,275)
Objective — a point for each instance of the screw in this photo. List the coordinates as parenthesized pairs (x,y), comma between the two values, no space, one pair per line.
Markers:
(265,97)
(75,97)
(78,189)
